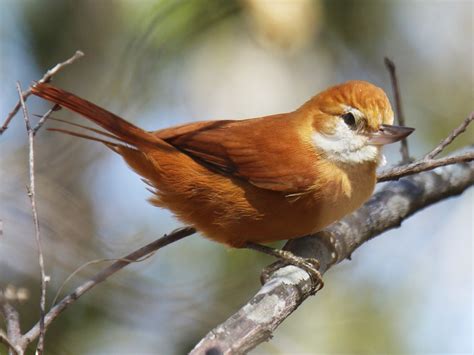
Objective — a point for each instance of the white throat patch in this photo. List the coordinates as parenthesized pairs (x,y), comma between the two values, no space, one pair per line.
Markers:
(346,146)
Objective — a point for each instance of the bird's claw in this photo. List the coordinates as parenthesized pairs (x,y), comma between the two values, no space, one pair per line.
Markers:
(310,265)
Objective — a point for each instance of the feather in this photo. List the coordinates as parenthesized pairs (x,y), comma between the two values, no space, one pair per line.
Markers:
(248,149)
(117,126)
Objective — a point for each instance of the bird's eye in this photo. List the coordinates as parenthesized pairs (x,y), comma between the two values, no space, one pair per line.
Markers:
(349,119)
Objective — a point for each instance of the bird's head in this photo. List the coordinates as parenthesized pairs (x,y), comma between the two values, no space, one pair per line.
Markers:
(352,121)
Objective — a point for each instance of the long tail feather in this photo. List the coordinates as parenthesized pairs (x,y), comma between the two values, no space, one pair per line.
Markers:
(85,136)
(98,131)
(116,125)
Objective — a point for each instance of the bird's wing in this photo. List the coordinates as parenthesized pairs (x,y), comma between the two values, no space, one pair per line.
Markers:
(268,152)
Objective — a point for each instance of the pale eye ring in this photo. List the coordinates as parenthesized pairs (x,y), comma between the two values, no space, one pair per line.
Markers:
(349,119)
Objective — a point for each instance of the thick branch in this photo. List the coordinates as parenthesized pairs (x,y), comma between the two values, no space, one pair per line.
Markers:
(290,286)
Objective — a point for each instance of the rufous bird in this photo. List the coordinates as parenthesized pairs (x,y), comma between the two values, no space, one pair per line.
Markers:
(262,179)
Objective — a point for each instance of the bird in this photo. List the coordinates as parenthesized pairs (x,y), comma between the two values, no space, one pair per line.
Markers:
(253,181)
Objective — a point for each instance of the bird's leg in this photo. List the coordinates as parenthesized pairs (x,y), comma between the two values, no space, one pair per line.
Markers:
(310,265)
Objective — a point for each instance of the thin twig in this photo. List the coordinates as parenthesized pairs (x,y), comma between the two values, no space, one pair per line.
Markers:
(46,78)
(448,140)
(428,162)
(422,165)
(92,262)
(104,274)
(45,117)
(31,194)
(398,107)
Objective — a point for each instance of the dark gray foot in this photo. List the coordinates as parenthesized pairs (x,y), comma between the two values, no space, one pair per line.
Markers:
(310,265)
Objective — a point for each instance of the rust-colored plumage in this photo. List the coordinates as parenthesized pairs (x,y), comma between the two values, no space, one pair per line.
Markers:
(262,179)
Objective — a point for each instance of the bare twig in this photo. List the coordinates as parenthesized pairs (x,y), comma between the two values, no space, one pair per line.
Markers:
(45,117)
(11,347)
(423,165)
(12,321)
(46,78)
(31,194)
(428,162)
(398,107)
(92,262)
(288,287)
(104,274)
(448,140)
(20,343)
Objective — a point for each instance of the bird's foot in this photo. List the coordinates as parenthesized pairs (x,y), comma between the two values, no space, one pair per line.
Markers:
(310,265)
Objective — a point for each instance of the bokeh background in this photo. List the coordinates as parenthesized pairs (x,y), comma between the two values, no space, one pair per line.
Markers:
(161,63)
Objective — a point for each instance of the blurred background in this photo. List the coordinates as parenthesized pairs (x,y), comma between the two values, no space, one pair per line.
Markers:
(162,63)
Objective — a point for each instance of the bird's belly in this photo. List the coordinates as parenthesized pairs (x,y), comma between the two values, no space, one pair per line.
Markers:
(271,216)
(287,221)
(233,212)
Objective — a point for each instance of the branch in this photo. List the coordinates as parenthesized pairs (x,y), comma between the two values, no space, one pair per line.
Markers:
(428,162)
(43,118)
(103,275)
(288,287)
(398,107)
(14,339)
(452,136)
(12,321)
(46,78)
(5,340)
(423,165)
(31,194)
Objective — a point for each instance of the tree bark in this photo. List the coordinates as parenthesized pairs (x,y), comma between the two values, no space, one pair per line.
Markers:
(289,286)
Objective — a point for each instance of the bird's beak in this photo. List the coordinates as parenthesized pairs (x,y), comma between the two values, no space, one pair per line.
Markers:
(389,134)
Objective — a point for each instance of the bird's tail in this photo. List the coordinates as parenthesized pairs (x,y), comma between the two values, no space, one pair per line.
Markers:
(118,127)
